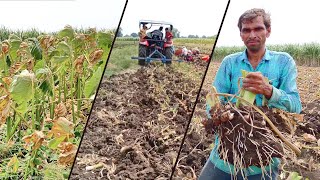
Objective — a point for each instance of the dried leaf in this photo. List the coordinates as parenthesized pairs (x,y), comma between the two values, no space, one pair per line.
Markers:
(35,140)
(79,64)
(309,137)
(4,108)
(68,153)
(60,110)
(61,127)
(95,56)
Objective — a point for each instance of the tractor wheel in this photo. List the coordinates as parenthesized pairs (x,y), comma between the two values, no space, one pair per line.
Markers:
(168,53)
(142,53)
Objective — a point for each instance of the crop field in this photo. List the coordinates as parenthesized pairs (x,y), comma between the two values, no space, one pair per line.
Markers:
(140,115)
(47,86)
(138,119)
(307,54)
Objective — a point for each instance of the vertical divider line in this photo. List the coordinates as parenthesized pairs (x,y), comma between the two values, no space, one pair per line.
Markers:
(97,91)
(195,104)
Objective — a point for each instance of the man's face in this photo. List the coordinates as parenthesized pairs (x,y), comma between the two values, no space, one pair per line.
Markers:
(254,34)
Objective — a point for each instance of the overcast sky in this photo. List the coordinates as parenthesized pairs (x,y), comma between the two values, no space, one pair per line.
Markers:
(292,21)
(53,15)
(198,18)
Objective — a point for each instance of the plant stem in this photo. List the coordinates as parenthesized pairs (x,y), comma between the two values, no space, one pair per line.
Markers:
(79,95)
(9,126)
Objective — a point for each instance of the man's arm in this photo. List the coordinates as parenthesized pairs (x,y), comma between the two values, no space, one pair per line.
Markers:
(221,82)
(286,96)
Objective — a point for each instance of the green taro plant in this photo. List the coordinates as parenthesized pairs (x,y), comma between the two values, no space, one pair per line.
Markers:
(46,87)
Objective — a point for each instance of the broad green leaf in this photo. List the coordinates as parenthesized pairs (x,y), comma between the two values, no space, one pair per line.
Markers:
(3,64)
(59,59)
(54,143)
(14,46)
(43,72)
(22,89)
(36,50)
(92,83)
(14,42)
(66,32)
(39,64)
(64,48)
(44,77)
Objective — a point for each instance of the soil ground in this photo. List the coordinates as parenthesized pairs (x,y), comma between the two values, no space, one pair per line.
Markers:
(139,119)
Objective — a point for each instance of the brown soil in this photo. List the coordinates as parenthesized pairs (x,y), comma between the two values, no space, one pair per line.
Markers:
(137,125)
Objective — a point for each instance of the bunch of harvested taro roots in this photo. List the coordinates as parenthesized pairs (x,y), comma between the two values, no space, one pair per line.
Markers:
(247,134)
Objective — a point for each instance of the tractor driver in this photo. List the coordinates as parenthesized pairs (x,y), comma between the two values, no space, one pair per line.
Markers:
(157,34)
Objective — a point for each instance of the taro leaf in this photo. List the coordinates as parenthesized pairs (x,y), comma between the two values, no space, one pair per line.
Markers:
(39,64)
(104,39)
(62,53)
(35,140)
(68,154)
(61,127)
(54,143)
(3,65)
(22,90)
(36,50)
(59,59)
(14,42)
(64,48)
(66,32)
(44,77)
(92,83)
(4,108)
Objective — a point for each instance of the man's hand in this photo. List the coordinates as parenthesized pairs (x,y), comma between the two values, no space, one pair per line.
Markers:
(255,83)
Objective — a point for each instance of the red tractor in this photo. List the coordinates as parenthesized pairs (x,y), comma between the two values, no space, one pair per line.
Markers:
(158,44)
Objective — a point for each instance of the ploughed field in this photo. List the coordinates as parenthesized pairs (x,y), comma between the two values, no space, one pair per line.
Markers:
(138,122)
(139,119)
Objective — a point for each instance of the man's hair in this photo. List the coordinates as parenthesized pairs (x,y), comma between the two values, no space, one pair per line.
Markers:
(160,28)
(251,14)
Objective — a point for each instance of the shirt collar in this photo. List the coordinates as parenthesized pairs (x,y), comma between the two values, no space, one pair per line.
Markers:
(266,56)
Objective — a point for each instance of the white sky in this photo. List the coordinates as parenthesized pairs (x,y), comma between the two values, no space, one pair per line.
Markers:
(200,17)
(53,15)
(291,21)
(197,18)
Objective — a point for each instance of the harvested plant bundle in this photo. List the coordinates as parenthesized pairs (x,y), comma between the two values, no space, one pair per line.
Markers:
(245,131)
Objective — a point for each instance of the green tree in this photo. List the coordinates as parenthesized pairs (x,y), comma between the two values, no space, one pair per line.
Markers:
(134,35)
(176,33)
(120,34)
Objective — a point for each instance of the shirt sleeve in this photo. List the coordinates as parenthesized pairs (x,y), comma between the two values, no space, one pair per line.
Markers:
(286,97)
(222,82)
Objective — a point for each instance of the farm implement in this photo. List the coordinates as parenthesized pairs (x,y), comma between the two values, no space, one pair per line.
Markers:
(155,46)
